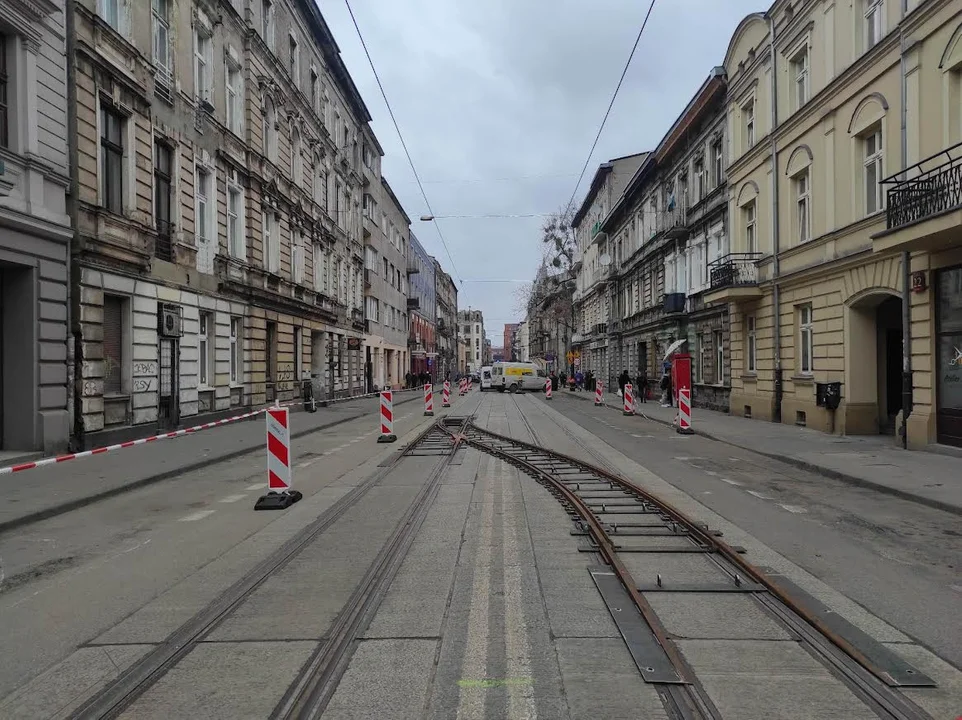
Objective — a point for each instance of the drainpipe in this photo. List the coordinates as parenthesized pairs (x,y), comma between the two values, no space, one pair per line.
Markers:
(777,414)
(74,357)
(906,258)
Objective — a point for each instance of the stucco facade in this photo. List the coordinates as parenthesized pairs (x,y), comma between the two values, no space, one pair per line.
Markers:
(472,330)
(218,249)
(446,309)
(35,372)
(818,293)
(422,309)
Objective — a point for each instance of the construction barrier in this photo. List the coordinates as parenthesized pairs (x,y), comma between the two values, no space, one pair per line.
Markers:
(446,394)
(599,393)
(461,387)
(387,418)
(279,494)
(684,412)
(547,389)
(428,399)
(629,401)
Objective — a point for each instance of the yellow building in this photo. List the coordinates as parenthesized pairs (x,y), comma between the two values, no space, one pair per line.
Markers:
(833,110)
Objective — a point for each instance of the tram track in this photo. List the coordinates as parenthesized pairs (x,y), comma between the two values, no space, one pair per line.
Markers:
(309,693)
(617,517)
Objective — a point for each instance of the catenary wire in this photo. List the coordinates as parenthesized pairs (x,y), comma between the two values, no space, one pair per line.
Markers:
(401,137)
(610,104)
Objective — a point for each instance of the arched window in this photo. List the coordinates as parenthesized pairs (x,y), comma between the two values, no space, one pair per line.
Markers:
(270,129)
(297,159)
(320,182)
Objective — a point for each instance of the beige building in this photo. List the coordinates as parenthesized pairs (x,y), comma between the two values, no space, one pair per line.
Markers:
(216,155)
(819,289)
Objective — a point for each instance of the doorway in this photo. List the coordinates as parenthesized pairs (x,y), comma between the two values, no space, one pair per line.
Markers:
(888,319)
(949,353)
(872,387)
(168,410)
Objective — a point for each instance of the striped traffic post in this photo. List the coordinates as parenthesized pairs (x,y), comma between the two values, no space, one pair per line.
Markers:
(387,417)
(279,494)
(599,392)
(446,394)
(428,400)
(684,412)
(547,389)
(629,401)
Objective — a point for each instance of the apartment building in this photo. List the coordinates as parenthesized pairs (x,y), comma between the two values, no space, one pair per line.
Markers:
(521,341)
(843,174)
(446,325)
(510,342)
(218,253)
(550,319)
(35,372)
(661,237)
(422,310)
(592,299)
(386,230)
(472,328)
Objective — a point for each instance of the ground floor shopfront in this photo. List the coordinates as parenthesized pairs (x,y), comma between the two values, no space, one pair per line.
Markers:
(385,364)
(152,357)
(843,324)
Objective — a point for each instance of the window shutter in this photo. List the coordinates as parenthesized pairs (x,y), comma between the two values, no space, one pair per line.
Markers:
(113,344)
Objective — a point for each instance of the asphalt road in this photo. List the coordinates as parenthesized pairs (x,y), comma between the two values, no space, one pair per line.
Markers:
(899,559)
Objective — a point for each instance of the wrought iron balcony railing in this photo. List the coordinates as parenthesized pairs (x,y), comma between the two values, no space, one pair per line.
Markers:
(935,186)
(734,269)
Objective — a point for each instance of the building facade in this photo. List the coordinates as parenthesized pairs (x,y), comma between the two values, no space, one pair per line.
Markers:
(218,248)
(386,232)
(510,342)
(522,341)
(550,320)
(662,236)
(35,372)
(422,310)
(446,324)
(844,157)
(472,328)
(592,301)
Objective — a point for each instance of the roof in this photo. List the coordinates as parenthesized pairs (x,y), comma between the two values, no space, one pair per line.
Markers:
(397,203)
(596,182)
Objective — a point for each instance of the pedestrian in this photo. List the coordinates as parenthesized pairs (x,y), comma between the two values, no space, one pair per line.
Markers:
(579,380)
(623,380)
(642,392)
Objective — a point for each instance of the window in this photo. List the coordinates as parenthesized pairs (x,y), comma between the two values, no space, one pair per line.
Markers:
(163,174)
(699,369)
(701,179)
(160,14)
(717,163)
(115,344)
(235,222)
(748,213)
(235,107)
(873,23)
(270,129)
(320,268)
(805,339)
(337,203)
(298,353)
(314,96)
(872,143)
(718,343)
(298,261)
(385,268)
(803,206)
(320,184)
(202,191)
(112,126)
(297,160)
(272,242)
(236,350)
(800,76)
(267,22)
(751,349)
(748,116)
(115,13)
(203,63)
(270,370)
(205,348)
(294,62)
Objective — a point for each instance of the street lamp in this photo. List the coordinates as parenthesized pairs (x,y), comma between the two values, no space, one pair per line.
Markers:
(427,218)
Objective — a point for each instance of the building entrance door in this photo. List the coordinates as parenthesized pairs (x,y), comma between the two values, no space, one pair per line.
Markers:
(949,380)
(168,410)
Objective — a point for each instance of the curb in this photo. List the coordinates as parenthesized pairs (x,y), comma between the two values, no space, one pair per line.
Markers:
(66,507)
(819,470)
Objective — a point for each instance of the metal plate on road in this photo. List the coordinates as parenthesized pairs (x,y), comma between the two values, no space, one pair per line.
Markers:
(648,654)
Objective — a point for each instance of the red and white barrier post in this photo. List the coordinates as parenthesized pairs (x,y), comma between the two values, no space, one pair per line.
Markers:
(629,401)
(446,394)
(547,389)
(461,390)
(428,400)
(279,494)
(387,418)
(684,412)
(599,393)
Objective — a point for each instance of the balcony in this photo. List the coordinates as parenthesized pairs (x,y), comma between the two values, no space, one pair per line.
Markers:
(597,235)
(734,277)
(599,329)
(577,260)
(924,205)
(414,303)
(357,319)
(413,270)
(368,274)
(614,327)
(674,303)
(673,223)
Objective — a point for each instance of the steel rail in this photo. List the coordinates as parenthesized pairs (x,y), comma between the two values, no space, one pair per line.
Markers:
(698,532)
(123,691)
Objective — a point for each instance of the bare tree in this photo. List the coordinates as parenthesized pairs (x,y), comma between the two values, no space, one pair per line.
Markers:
(558,237)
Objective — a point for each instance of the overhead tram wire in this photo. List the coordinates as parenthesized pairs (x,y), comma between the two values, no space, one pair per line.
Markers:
(612,103)
(377,77)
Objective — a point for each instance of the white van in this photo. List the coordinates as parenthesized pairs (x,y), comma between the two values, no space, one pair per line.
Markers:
(485,378)
(517,376)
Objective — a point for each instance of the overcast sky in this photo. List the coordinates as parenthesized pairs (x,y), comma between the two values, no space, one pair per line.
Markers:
(499,101)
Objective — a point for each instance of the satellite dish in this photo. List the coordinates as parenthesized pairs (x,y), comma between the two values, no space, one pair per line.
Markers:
(605,260)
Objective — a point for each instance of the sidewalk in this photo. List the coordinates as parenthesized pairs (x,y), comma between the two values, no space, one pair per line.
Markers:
(43,492)
(867,460)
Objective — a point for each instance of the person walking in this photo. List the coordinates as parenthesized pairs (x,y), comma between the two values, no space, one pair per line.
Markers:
(642,392)
(623,380)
